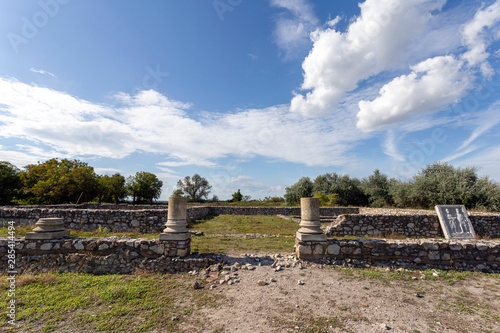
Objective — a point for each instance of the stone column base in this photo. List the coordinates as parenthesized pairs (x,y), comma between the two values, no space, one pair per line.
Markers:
(47,235)
(310,237)
(310,246)
(176,245)
(175,236)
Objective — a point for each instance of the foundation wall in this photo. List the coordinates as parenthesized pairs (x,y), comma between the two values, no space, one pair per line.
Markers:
(100,256)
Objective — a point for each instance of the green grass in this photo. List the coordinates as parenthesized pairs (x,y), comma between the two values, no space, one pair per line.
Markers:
(210,244)
(223,224)
(109,303)
(246,224)
(450,276)
(21,232)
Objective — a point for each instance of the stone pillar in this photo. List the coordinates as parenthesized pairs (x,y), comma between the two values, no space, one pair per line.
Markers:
(310,224)
(176,236)
(48,228)
(310,241)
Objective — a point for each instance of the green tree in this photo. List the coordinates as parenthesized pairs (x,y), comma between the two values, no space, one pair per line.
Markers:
(10,183)
(348,189)
(486,194)
(112,188)
(144,186)
(377,189)
(326,199)
(442,184)
(237,196)
(177,193)
(196,188)
(301,189)
(58,182)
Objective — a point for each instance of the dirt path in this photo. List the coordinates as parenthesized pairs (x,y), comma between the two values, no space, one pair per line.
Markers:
(336,299)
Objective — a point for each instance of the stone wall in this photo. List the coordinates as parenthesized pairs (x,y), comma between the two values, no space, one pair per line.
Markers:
(415,225)
(483,255)
(143,220)
(99,256)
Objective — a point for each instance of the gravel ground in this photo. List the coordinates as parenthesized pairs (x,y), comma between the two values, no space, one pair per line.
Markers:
(336,299)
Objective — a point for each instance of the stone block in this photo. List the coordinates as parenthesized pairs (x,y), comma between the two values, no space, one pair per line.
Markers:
(159,248)
(304,249)
(47,235)
(434,255)
(431,246)
(175,236)
(46,246)
(455,247)
(182,252)
(319,249)
(310,237)
(103,246)
(333,249)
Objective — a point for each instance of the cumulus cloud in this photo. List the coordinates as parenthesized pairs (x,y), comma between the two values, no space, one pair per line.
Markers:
(377,40)
(294,25)
(476,39)
(433,83)
(150,122)
(436,82)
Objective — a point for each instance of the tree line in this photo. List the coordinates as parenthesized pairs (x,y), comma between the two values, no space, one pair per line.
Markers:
(436,184)
(71,181)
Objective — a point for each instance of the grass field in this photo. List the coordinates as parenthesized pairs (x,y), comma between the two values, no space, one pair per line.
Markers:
(109,303)
(225,225)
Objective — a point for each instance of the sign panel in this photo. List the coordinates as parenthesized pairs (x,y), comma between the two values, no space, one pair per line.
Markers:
(455,222)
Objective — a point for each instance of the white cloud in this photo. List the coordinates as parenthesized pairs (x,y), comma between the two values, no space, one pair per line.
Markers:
(253,56)
(150,122)
(247,186)
(40,71)
(433,83)
(294,26)
(390,147)
(107,171)
(376,41)
(476,40)
(486,161)
(481,122)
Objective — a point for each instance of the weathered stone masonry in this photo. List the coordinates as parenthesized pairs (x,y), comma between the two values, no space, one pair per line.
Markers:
(411,225)
(435,252)
(144,220)
(112,255)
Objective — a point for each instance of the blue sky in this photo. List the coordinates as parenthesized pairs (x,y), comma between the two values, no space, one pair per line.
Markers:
(252,95)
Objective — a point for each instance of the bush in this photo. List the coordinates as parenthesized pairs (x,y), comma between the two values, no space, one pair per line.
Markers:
(326,199)
(301,189)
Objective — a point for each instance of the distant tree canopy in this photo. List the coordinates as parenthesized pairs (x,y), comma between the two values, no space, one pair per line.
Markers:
(144,187)
(237,196)
(301,189)
(111,188)
(437,184)
(70,181)
(10,183)
(377,189)
(57,182)
(196,188)
(348,190)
